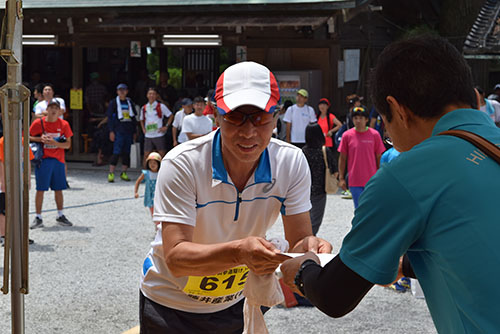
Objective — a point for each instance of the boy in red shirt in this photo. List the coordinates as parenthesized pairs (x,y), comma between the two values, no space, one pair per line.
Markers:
(360,148)
(55,134)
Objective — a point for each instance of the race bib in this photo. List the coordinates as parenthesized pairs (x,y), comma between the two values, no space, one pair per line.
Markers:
(220,288)
(151,127)
(126,115)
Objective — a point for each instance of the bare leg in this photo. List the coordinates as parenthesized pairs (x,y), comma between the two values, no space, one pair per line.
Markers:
(58,195)
(39,201)
(151,209)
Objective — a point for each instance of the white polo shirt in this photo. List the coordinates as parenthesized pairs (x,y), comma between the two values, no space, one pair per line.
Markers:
(300,117)
(194,188)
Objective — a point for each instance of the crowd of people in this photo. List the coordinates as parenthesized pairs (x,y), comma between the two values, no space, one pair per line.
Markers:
(219,169)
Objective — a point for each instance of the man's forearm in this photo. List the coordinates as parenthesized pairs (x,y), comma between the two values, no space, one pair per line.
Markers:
(193,259)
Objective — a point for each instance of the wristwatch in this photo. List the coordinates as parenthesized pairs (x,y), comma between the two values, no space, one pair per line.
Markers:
(298,277)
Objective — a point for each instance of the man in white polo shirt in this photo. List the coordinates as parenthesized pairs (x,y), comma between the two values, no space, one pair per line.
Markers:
(217,196)
(297,117)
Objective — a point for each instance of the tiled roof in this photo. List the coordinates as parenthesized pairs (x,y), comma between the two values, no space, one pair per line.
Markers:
(484,36)
(28,4)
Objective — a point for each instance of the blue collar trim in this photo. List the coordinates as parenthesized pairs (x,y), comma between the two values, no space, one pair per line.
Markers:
(262,173)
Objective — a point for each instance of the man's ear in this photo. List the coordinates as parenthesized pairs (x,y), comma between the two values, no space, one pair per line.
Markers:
(399,111)
(478,99)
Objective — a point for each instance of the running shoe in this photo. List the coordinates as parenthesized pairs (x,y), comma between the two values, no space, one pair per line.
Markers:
(124,176)
(111,177)
(347,194)
(63,221)
(37,223)
(405,282)
(397,287)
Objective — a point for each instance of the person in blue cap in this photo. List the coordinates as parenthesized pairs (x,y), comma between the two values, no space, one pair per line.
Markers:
(122,128)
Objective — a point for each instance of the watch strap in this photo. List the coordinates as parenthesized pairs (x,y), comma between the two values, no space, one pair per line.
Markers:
(298,277)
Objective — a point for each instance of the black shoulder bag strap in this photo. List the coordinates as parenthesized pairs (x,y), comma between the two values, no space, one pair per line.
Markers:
(484,145)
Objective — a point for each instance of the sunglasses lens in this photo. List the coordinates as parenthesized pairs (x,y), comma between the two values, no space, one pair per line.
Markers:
(258,119)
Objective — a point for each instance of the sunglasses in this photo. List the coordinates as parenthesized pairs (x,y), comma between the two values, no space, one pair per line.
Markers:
(257,118)
(358,109)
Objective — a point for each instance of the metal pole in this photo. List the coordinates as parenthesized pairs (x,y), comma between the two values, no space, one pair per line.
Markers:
(13,94)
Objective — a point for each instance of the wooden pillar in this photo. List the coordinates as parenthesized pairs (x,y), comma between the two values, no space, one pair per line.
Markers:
(77,70)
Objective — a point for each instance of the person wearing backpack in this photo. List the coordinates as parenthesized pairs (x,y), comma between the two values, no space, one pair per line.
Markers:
(122,127)
(155,118)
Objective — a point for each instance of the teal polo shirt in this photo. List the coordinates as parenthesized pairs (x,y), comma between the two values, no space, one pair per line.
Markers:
(440,203)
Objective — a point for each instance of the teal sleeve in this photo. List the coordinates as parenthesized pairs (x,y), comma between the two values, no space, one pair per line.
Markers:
(386,223)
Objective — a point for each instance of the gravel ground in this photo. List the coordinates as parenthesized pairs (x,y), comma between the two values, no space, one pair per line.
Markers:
(85,278)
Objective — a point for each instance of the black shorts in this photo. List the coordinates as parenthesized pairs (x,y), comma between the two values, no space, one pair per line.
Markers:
(2,204)
(156,318)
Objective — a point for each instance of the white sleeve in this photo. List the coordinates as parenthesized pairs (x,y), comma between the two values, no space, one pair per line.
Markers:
(312,115)
(142,114)
(176,120)
(165,111)
(298,196)
(175,196)
(288,115)
(38,109)
(61,101)
(187,124)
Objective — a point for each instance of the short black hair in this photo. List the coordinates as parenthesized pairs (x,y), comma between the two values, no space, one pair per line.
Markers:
(314,136)
(153,89)
(49,85)
(198,99)
(39,88)
(425,74)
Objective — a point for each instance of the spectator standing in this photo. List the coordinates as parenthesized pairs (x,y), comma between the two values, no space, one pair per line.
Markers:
(95,95)
(206,237)
(297,117)
(155,119)
(490,107)
(48,95)
(210,106)
(496,93)
(360,149)
(196,124)
(177,135)
(55,134)
(38,96)
(122,128)
(313,150)
(327,121)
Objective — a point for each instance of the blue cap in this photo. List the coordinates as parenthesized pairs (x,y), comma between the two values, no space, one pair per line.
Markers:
(121,86)
(186,101)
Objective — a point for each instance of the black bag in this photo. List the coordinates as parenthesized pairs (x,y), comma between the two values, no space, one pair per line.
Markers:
(37,149)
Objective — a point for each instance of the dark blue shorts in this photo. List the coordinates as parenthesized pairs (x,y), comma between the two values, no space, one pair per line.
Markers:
(122,143)
(51,173)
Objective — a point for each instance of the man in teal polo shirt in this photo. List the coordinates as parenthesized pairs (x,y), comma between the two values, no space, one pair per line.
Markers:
(436,203)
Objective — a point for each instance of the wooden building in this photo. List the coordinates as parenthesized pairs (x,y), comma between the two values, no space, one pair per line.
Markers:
(330,45)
